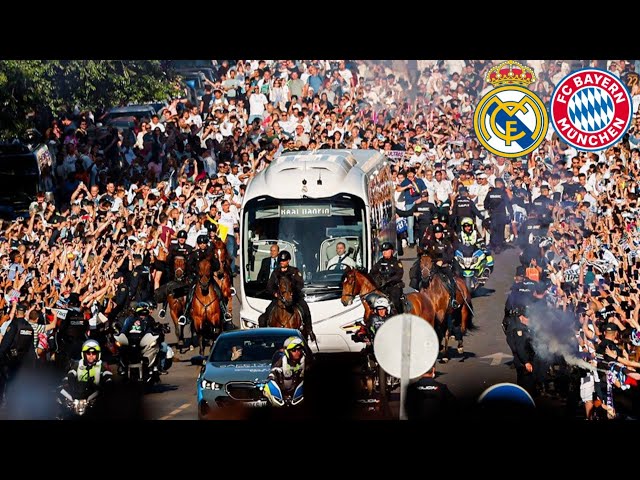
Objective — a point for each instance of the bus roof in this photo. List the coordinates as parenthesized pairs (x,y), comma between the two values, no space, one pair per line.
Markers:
(327,172)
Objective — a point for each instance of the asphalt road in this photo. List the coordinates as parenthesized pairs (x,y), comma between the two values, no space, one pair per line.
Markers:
(486,360)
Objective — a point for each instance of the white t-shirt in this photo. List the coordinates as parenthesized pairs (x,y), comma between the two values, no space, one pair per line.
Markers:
(257,102)
(228,219)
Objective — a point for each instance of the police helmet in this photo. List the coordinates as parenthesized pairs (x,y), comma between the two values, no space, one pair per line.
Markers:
(387,246)
(443,217)
(182,234)
(202,239)
(73,300)
(292,343)
(382,302)
(466,221)
(438,229)
(212,227)
(142,308)
(283,256)
(91,346)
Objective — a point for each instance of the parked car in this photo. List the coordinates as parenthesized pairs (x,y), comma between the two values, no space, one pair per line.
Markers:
(237,367)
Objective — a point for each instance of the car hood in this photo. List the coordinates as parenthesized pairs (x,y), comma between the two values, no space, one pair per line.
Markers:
(223,372)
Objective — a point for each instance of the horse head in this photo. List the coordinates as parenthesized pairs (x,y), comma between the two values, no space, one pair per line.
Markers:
(349,284)
(285,291)
(179,267)
(426,268)
(204,275)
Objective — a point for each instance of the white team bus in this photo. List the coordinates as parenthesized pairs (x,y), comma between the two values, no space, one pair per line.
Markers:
(307,202)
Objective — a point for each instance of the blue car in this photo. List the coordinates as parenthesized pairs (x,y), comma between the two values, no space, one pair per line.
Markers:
(239,363)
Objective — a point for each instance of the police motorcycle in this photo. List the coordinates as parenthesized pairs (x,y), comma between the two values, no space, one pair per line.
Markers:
(78,401)
(138,343)
(373,376)
(475,266)
(274,395)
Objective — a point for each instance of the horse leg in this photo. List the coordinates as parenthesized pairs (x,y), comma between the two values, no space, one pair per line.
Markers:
(201,343)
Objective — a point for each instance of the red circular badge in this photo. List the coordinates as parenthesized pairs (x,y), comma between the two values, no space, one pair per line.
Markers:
(591,109)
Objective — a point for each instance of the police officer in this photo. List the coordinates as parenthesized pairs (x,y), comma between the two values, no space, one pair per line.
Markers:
(428,399)
(17,350)
(517,301)
(389,270)
(121,298)
(180,248)
(498,205)
(532,227)
(543,204)
(140,287)
(284,257)
(464,207)
(440,249)
(424,212)
(73,328)
(521,342)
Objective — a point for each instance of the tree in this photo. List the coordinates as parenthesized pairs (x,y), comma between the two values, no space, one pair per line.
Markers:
(29,86)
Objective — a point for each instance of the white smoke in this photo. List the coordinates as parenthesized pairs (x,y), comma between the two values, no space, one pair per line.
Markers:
(554,334)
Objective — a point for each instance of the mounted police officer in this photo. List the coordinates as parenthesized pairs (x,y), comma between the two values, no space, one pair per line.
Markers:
(440,249)
(179,249)
(389,270)
(297,282)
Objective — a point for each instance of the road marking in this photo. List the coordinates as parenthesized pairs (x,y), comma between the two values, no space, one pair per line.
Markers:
(496,358)
(176,411)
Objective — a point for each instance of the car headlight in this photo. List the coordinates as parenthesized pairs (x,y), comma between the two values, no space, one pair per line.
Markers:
(207,385)
(248,323)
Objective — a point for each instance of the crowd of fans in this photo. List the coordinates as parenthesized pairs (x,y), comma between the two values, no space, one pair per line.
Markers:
(113,198)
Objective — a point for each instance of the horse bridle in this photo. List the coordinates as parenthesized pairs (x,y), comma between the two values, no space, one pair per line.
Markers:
(353,288)
(280,296)
(428,278)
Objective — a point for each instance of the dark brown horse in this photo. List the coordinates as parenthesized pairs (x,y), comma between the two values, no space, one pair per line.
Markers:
(357,283)
(285,314)
(205,306)
(223,275)
(177,299)
(436,290)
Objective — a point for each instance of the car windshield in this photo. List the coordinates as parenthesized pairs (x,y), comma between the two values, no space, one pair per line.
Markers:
(257,348)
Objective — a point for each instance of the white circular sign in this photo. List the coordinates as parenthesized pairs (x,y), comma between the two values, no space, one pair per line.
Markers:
(424,345)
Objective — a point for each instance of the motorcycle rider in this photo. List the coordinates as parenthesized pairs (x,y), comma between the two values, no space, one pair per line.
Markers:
(389,270)
(183,249)
(381,312)
(469,237)
(287,367)
(154,349)
(284,257)
(89,369)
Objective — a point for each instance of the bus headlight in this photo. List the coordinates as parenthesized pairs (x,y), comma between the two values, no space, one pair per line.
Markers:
(248,323)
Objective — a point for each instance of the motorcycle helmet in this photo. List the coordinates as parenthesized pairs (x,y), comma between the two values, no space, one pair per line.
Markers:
(466,221)
(283,256)
(142,308)
(292,343)
(438,229)
(91,346)
(182,234)
(387,246)
(382,302)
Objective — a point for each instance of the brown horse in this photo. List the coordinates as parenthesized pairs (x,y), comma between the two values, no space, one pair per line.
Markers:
(435,289)
(357,283)
(223,275)
(177,299)
(205,306)
(285,314)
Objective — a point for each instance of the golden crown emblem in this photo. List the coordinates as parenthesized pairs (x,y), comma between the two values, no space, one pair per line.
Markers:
(510,73)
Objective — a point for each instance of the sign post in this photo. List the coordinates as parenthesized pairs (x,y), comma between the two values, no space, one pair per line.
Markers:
(406,347)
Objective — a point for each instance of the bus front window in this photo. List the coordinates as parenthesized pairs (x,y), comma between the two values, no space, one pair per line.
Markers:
(310,230)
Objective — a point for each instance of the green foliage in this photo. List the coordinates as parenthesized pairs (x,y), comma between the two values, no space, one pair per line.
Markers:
(27,85)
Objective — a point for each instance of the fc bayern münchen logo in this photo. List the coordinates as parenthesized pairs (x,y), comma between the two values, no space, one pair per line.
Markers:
(591,109)
(511,120)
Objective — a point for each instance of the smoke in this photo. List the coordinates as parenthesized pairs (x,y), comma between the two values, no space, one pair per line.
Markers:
(553,332)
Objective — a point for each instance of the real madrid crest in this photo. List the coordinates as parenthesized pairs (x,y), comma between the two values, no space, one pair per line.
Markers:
(510,120)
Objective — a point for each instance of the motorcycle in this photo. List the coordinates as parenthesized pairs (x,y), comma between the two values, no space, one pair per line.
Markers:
(475,265)
(273,393)
(134,365)
(373,376)
(77,401)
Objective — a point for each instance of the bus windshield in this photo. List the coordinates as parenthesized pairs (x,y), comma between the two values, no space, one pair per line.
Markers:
(313,231)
